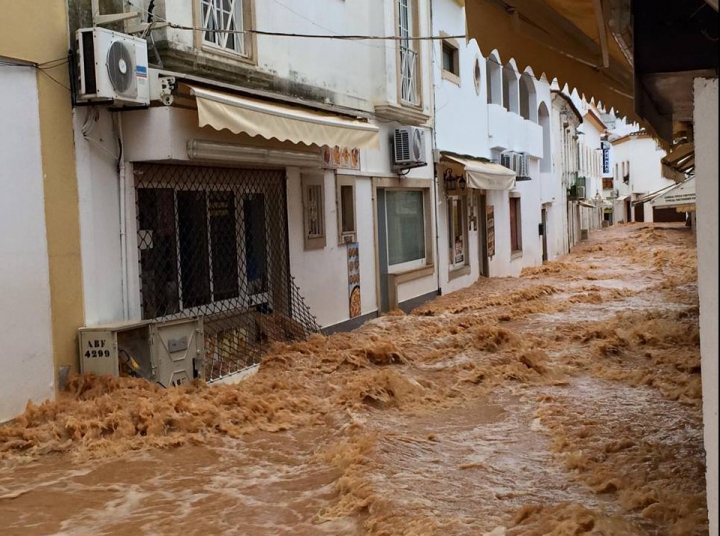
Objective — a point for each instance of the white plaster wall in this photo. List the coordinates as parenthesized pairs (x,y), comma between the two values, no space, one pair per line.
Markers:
(25,330)
(358,74)
(322,274)
(99,197)
(645,166)
(706,171)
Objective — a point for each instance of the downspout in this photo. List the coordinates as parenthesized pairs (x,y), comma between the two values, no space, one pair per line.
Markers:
(122,188)
(434,147)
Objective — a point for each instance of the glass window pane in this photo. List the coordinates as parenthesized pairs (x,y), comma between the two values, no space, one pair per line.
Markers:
(347,208)
(194,255)
(255,243)
(158,252)
(223,238)
(405,226)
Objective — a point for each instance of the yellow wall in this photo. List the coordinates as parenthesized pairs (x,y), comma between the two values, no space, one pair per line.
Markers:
(36,31)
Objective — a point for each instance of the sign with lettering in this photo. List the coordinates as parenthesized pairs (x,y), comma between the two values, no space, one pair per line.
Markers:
(341,157)
(606,166)
(490,226)
(682,195)
(355,299)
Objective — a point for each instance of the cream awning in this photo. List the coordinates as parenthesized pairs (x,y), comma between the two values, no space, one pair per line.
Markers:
(269,120)
(484,175)
(679,195)
(586,204)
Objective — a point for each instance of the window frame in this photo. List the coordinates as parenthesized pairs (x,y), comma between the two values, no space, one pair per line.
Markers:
(459,201)
(515,199)
(249,40)
(341,182)
(307,181)
(451,44)
(240,196)
(412,46)
(416,263)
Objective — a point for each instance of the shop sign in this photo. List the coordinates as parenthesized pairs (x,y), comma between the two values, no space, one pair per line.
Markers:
(490,226)
(341,157)
(355,300)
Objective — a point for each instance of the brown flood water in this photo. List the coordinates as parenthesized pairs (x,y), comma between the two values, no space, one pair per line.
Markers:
(564,402)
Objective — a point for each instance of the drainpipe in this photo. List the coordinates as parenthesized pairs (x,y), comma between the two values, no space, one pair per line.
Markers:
(434,146)
(122,188)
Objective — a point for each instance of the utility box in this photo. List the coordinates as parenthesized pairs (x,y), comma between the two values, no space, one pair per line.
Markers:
(168,353)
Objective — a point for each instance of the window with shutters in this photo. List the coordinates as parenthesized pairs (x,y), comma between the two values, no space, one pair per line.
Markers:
(345,193)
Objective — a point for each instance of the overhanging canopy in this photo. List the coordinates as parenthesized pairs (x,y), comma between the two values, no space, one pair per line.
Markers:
(679,195)
(586,204)
(561,38)
(259,118)
(646,198)
(484,175)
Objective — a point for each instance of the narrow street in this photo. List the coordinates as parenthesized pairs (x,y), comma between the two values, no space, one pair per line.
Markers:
(564,402)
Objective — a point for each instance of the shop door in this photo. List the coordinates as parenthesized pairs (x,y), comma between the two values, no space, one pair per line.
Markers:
(482,235)
(640,212)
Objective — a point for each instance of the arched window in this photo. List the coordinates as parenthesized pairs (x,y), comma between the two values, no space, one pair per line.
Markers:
(477,75)
(528,98)
(510,89)
(544,121)
(493,80)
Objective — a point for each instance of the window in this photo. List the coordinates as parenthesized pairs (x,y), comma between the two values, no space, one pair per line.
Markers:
(528,98)
(190,242)
(457,229)
(626,172)
(405,214)
(347,225)
(544,122)
(450,62)
(314,211)
(221,20)
(477,76)
(511,99)
(515,225)
(493,77)
(409,88)
(607,184)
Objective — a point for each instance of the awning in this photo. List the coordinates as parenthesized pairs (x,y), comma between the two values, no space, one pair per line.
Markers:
(586,204)
(484,175)
(260,118)
(677,196)
(679,161)
(646,198)
(622,198)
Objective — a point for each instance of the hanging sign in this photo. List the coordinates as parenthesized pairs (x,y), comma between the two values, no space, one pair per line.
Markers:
(606,167)
(490,226)
(355,300)
(341,157)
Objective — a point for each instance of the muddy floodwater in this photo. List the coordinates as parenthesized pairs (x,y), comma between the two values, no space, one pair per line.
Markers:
(565,402)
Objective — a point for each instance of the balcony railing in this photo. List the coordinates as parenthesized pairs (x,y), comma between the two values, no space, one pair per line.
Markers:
(408,69)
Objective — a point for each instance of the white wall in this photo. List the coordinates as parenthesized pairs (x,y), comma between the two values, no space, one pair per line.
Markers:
(356,74)
(25,330)
(322,274)
(706,171)
(645,159)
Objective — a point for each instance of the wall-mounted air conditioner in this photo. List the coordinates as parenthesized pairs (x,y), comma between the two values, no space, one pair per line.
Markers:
(408,148)
(112,68)
(168,353)
(580,192)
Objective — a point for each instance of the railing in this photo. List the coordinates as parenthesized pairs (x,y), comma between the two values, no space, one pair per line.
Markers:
(408,71)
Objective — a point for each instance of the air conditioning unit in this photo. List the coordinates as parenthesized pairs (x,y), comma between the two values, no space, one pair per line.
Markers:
(113,68)
(409,148)
(507,160)
(580,192)
(521,166)
(168,353)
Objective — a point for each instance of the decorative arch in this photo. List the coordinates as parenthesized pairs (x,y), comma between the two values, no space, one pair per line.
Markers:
(544,121)
(528,98)
(510,89)
(493,79)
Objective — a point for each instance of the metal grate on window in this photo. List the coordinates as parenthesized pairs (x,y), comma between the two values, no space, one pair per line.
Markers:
(315,212)
(214,242)
(219,19)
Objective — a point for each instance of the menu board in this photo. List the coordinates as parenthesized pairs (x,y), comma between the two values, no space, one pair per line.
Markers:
(490,226)
(355,300)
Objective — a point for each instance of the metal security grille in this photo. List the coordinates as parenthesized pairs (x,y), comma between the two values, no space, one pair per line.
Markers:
(214,242)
